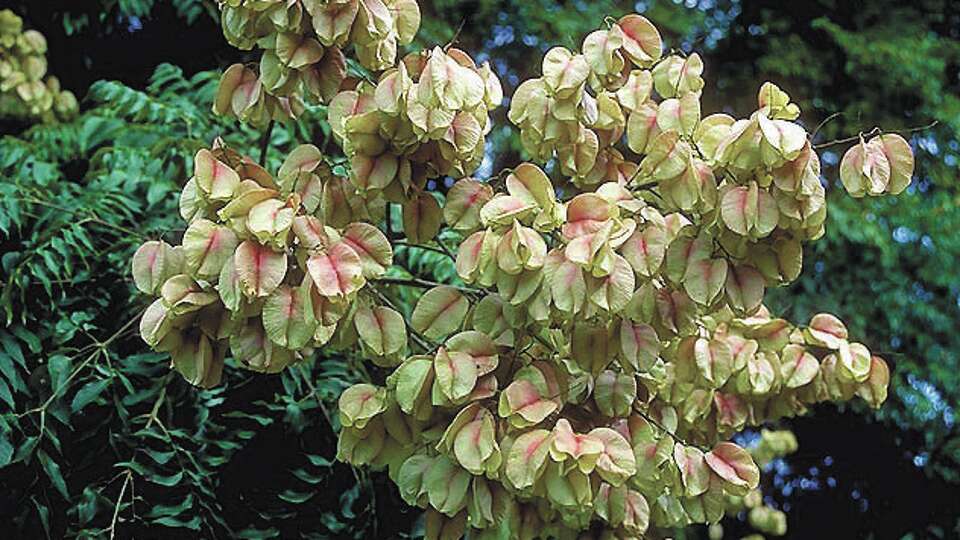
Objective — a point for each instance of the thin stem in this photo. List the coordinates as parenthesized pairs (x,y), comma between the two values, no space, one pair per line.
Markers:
(824,122)
(456,36)
(100,349)
(633,176)
(155,410)
(425,284)
(419,246)
(663,428)
(265,143)
(446,250)
(421,341)
(326,414)
(90,218)
(388,225)
(128,478)
(729,256)
(875,131)
(676,437)
(497,182)
(544,342)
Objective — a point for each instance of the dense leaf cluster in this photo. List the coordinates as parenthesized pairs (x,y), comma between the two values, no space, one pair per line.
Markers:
(96,436)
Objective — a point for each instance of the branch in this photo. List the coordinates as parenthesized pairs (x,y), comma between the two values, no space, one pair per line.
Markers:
(100,348)
(875,131)
(265,142)
(388,226)
(647,417)
(155,410)
(456,36)
(446,250)
(91,218)
(326,414)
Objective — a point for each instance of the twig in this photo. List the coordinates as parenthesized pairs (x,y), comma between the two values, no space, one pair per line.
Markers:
(419,246)
(155,410)
(425,284)
(128,477)
(719,244)
(456,35)
(663,428)
(100,349)
(90,218)
(421,341)
(326,414)
(823,123)
(497,182)
(633,176)
(544,342)
(875,131)
(641,413)
(265,143)
(388,226)
(446,250)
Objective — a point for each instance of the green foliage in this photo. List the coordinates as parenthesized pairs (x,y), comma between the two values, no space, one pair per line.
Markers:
(893,62)
(106,13)
(100,427)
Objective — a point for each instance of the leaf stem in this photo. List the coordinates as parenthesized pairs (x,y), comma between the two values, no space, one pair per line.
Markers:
(823,123)
(419,246)
(128,478)
(100,349)
(446,250)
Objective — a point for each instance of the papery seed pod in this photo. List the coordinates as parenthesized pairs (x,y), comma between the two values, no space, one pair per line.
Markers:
(882,165)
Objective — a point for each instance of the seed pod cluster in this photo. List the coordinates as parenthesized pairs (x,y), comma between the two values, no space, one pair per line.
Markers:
(590,387)
(882,165)
(259,273)
(425,118)
(606,340)
(26,91)
(303,43)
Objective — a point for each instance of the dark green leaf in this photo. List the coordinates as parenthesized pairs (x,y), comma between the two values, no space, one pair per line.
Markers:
(88,393)
(6,450)
(168,481)
(295,496)
(170,521)
(7,395)
(52,468)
